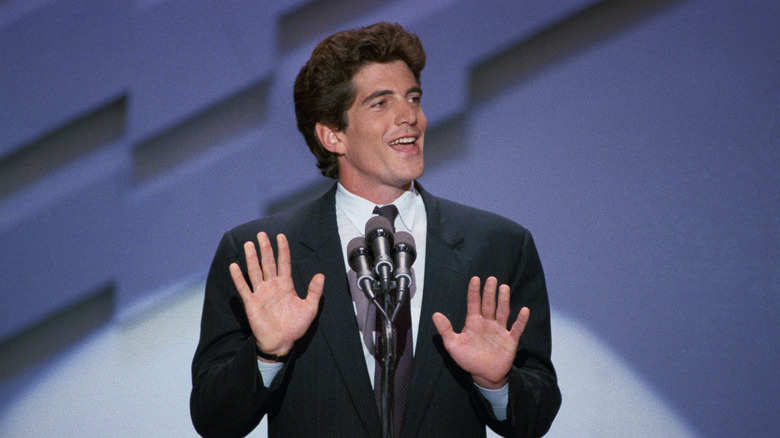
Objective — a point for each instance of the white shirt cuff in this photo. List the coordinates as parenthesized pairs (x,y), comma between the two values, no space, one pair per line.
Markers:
(498,399)
(268,371)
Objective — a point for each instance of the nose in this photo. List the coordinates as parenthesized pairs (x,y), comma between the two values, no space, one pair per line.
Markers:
(407,113)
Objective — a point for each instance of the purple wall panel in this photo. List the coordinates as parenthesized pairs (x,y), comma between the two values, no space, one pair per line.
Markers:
(60,253)
(647,173)
(174,223)
(58,63)
(183,61)
(458,37)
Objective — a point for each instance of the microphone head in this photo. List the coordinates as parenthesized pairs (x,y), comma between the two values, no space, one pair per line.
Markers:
(355,244)
(379,237)
(378,226)
(404,255)
(360,260)
(358,254)
(404,242)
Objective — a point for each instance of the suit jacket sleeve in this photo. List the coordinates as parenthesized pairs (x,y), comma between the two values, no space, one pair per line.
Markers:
(534,396)
(228,396)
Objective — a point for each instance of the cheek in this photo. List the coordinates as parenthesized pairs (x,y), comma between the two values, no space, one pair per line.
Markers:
(368,133)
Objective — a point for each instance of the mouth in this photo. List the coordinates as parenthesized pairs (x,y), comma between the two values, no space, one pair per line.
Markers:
(404,144)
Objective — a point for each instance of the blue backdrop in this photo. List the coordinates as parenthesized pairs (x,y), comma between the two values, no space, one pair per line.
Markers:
(638,141)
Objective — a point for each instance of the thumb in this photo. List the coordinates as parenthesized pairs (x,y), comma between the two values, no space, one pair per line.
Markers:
(315,288)
(443,325)
(519,326)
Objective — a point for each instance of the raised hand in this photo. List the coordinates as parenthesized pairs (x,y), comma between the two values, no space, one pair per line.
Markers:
(485,348)
(277,316)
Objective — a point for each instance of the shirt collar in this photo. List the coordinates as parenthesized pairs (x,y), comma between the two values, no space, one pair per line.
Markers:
(359,210)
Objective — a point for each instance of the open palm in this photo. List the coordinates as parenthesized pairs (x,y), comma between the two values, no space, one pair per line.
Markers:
(277,315)
(484,348)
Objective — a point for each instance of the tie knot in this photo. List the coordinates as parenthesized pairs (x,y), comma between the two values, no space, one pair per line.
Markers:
(389,212)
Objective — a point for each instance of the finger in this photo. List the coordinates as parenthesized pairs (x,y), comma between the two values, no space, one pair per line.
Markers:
(266,256)
(472,297)
(315,289)
(252,264)
(443,326)
(489,298)
(238,280)
(519,326)
(502,310)
(284,264)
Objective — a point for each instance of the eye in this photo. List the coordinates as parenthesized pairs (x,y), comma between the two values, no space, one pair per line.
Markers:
(415,99)
(379,103)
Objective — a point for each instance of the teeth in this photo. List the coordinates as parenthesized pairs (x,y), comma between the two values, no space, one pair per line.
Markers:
(405,140)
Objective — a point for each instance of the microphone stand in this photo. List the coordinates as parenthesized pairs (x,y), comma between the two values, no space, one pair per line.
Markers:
(380,235)
(387,347)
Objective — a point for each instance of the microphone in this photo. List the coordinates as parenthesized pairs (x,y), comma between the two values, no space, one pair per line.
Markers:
(360,261)
(404,255)
(379,236)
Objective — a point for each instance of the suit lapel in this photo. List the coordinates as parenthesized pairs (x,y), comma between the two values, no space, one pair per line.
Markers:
(446,277)
(321,252)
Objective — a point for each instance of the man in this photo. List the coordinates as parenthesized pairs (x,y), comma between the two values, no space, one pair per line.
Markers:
(282,335)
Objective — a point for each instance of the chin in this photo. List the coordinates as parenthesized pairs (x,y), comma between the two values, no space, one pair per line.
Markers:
(412,175)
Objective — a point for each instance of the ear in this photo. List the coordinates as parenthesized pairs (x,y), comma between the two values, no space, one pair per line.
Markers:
(329,138)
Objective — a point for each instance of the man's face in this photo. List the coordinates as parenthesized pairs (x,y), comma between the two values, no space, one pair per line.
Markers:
(381,150)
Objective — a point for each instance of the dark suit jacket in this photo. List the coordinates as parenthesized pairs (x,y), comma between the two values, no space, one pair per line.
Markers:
(324,389)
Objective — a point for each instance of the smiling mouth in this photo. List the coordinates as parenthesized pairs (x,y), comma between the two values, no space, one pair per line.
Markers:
(403,141)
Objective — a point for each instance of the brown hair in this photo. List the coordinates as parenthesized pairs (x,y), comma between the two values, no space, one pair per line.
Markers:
(323,90)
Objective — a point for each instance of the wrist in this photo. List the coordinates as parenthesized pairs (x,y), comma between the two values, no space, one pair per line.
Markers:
(281,356)
(488,384)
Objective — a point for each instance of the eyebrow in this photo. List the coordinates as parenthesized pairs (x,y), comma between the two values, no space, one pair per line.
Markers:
(375,94)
